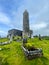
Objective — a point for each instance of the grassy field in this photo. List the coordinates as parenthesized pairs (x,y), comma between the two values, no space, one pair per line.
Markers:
(12,54)
(3,39)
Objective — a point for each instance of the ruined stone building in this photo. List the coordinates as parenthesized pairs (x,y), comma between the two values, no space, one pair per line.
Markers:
(14,32)
(26,30)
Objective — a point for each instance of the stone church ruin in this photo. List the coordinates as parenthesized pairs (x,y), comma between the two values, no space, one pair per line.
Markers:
(26,29)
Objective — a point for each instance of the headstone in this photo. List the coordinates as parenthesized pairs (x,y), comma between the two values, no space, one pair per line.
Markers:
(39,37)
(24,40)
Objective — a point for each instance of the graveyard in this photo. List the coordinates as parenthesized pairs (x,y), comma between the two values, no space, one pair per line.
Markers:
(24,32)
(19,48)
(12,54)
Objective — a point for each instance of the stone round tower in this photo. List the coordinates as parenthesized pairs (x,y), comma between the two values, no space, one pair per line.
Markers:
(25,23)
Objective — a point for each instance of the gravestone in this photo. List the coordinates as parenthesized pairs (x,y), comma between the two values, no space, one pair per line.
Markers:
(24,40)
(39,37)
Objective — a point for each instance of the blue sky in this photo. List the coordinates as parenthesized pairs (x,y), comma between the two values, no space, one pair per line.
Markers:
(11,15)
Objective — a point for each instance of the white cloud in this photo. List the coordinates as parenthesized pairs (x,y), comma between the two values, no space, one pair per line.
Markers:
(38,26)
(37,12)
(34,8)
(4,19)
(3,33)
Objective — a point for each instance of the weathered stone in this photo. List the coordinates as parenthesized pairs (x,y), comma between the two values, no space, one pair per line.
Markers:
(24,40)
(14,32)
(39,37)
(4,43)
(32,54)
(25,23)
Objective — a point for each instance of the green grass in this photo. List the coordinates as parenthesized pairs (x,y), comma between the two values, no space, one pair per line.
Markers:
(3,39)
(12,54)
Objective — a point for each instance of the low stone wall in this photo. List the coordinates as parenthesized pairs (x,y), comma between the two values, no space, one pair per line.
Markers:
(32,54)
(4,43)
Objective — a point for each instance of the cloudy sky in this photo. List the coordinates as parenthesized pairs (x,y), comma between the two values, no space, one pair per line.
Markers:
(11,15)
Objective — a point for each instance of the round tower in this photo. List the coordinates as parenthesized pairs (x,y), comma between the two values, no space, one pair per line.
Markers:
(26,23)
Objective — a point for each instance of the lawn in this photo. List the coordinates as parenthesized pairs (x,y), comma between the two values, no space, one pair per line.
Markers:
(3,39)
(12,54)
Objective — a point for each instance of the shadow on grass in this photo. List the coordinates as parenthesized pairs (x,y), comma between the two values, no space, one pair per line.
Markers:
(44,60)
(3,62)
